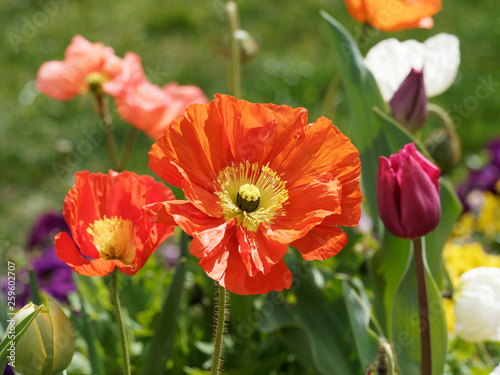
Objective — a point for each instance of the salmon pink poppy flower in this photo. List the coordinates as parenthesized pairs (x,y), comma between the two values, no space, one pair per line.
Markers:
(84,64)
(394,15)
(108,225)
(150,108)
(258,178)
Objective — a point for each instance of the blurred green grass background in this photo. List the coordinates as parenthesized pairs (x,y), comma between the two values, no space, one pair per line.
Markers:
(44,142)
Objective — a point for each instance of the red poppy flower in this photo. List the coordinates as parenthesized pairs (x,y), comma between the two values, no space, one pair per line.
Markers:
(258,178)
(84,63)
(394,15)
(151,108)
(108,224)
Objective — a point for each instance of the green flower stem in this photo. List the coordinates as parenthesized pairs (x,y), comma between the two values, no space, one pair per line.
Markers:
(423,303)
(121,325)
(103,112)
(129,145)
(231,9)
(219,332)
(442,116)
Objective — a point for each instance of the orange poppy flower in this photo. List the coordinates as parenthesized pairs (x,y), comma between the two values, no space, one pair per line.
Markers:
(108,225)
(258,178)
(394,15)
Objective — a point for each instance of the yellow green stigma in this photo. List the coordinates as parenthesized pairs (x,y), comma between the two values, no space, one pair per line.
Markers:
(251,193)
(248,197)
(95,81)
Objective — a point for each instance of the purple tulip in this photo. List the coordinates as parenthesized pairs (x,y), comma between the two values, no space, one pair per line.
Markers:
(408,193)
(409,103)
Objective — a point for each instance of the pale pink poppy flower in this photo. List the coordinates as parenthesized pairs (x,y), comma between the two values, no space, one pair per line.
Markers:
(151,108)
(63,80)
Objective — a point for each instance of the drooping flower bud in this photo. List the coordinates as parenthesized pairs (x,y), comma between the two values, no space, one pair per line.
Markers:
(247,43)
(477,305)
(408,193)
(409,103)
(48,344)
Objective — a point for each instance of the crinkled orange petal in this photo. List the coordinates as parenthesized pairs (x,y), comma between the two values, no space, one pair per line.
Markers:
(309,151)
(394,15)
(237,280)
(321,243)
(307,207)
(253,131)
(68,253)
(258,251)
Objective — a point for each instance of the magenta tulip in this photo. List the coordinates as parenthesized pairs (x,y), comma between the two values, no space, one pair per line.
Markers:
(408,193)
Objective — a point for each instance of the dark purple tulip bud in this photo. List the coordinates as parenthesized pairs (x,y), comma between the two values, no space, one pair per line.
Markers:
(409,103)
(408,193)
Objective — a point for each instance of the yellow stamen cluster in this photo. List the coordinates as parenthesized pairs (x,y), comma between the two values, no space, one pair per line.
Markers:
(114,239)
(251,193)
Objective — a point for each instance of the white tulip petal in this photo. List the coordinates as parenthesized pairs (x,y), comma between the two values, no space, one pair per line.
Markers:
(442,58)
(496,371)
(390,61)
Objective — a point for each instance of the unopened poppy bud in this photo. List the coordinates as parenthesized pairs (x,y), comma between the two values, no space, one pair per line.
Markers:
(48,344)
(444,147)
(409,103)
(248,44)
(408,193)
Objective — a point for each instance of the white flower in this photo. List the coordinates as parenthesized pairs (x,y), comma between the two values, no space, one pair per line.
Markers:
(496,371)
(477,305)
(391,61)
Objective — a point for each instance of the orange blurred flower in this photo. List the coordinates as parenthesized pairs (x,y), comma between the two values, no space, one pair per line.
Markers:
(151,108)
(258,178)
(394,15)
(84,64)
(108,225)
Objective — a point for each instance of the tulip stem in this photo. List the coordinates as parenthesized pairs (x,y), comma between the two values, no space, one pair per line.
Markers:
(423,303)
(121,325)
(219,331)
(103,112)
(234,62)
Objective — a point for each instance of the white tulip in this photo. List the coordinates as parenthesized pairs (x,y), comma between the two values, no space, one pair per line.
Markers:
(496,371)
(391,61)
(477,305)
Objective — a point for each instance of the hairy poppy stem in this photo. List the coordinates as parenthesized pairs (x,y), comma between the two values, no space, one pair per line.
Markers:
(234,65)
(103,112)
(219,332)
(129,145)
(423,310)
(121,325)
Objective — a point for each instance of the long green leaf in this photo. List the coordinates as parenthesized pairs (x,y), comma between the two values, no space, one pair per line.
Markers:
(88,332)
(451,209)
(312,329)
(19,330)
(358,308)
(161,343)
(362,94)
(406,326)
